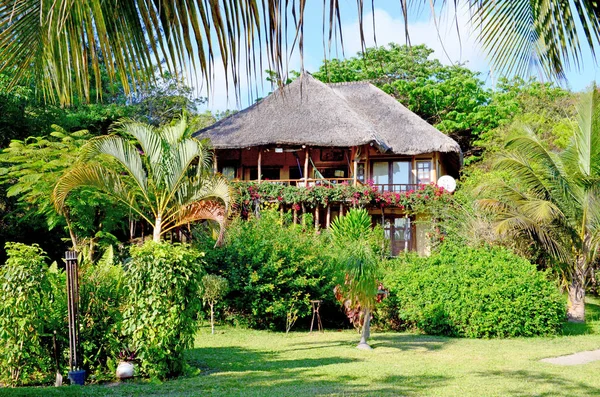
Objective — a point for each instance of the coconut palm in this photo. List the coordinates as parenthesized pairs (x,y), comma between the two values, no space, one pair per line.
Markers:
(554,198)
(162,174)
(65,42)
(357,264)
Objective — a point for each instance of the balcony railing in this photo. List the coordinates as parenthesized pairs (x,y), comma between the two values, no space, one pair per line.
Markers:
(397,187)
(310,181)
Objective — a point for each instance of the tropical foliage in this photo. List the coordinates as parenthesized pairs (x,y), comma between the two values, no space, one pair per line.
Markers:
(250,194)
(31,308)
(163,284)
(215,287)
(126,38)
(273,268)
(357,264)
(552,198)
(164,176)
(470,292)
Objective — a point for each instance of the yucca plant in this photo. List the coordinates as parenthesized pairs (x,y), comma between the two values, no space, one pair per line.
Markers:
(163,174)
(65,42)
(554,198)
(357,264)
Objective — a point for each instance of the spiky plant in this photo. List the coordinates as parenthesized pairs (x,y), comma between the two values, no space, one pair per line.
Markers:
(357,263)
(65,43)
(163,174)
(553,198)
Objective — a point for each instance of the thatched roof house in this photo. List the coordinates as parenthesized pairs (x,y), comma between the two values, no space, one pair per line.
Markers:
(309,112)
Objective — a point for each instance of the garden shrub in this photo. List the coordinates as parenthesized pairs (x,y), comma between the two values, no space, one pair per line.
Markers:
(30,309)
(468,292)
(274,269)
(164,297)
(102,292)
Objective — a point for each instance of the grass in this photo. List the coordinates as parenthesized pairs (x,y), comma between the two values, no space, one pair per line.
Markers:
(259,363)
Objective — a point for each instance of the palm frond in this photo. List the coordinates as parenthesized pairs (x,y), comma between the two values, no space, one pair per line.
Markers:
(203,210)
(121,150)
(519,35)
(99,177)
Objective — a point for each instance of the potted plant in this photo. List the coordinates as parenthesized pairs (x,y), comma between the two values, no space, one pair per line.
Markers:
(125,367)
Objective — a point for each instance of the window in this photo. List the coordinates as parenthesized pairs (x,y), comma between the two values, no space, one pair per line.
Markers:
(399,230)
(229,171)
(268,174)
(392,175)
(423,172)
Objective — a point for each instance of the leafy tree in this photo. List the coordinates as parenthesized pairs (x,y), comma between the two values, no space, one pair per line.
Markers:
(127,37)
(357,264)
(30,169)
(552,198)
(215,287)
(163,175)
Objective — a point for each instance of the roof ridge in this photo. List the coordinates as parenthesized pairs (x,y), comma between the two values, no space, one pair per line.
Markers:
(361,82)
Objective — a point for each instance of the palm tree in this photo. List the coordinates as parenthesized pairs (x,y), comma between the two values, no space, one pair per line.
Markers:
(554,199)
(163,175)
(65,42)
(357,264)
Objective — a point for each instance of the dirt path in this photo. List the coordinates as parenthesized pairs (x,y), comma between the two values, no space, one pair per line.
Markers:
(574,359)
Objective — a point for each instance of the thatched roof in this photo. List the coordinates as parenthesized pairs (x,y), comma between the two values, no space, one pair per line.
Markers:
(309,112)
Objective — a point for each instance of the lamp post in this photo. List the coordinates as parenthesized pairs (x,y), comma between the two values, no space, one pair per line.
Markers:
(76,375)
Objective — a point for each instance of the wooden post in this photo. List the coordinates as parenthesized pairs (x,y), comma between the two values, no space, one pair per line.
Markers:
(259,164)
(413,171)
(306,154)
(295,215)
(328,217)
(341,209)
(317,220)
(354,166)
(303,215)
(434,168)
(215,166)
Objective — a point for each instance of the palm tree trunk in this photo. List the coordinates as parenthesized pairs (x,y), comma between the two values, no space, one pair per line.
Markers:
(157,229)
(366,331)
(576,307)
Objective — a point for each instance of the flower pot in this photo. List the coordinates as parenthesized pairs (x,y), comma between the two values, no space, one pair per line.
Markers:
(125,370)
(77,377)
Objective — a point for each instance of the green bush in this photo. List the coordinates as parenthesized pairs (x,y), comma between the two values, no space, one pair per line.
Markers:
(274,269)
(30,309)
(485,292)
(102,293)
(164,297)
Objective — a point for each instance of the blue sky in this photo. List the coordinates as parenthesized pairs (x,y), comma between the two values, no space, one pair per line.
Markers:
(449,47)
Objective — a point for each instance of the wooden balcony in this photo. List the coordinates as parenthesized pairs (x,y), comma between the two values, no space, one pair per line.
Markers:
(397,187)
(310,182)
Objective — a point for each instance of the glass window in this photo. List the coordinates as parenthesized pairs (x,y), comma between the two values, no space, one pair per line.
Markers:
(381,173)
(401,175)
(423,172)
(229,172)
(360,172)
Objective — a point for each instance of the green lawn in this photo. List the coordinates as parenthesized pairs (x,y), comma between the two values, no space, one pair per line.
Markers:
(244,362)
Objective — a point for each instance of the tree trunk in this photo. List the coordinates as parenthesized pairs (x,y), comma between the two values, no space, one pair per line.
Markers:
(366,331)
(212,318)
(157,229)
(576,289)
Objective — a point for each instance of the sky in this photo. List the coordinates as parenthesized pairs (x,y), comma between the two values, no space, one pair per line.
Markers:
(449,47)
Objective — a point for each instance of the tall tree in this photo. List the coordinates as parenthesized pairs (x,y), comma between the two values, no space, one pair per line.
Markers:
(163,175)
(66,41)
(357,264)
(554,198)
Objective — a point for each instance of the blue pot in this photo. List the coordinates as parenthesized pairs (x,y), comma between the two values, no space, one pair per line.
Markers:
(77,377)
